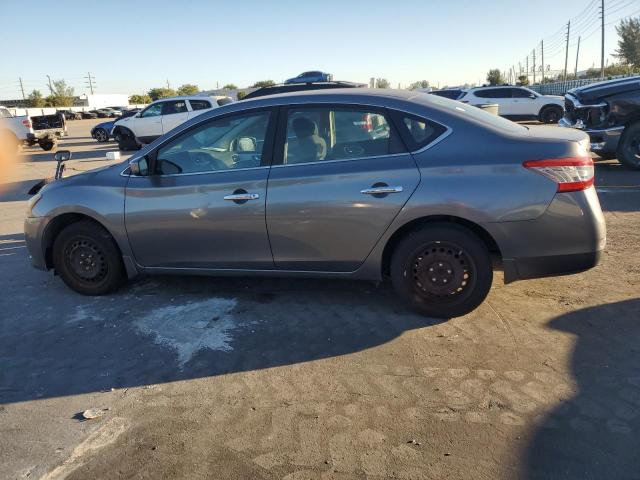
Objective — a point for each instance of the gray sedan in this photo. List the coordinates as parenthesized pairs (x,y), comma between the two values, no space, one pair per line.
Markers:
(352,183)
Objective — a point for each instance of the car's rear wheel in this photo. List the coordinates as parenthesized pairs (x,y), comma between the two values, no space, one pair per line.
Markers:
(551,114)
(47,144)
(101,135)
(442,271)
(629,147)
(87,259)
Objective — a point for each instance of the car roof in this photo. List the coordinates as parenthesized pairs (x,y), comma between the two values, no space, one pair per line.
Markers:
(191,97)
(333,94)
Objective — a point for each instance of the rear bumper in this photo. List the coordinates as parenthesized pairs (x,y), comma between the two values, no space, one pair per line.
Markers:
(568,238)
(602,141)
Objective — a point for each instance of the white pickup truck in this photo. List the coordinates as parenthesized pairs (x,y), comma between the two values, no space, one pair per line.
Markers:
(24,130)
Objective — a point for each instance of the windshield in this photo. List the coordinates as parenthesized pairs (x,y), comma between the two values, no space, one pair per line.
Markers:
(4,113)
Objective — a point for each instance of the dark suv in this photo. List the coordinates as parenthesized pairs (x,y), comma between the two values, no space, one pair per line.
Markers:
(610,113)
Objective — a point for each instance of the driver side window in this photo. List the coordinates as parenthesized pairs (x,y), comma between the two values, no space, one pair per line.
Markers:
(152,110)
(221,144)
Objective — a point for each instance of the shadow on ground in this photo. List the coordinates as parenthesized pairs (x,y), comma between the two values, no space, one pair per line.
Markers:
(174,328)
(594,435)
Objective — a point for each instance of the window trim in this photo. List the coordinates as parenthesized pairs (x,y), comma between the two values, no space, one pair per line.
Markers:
(267,149)
(398,117)
(283,117)
(187,105)
(198,100)
(150,106)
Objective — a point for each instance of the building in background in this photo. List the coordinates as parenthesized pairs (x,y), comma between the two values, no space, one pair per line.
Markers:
(102,100)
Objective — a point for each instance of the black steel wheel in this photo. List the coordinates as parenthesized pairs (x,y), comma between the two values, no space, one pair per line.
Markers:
(87,259)
(443,270)
(629,147)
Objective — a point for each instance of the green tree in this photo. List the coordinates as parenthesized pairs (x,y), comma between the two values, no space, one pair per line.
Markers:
(629,41)
(188,89)
(382,83)
(523,80)
(419,84)
(241,95)
(62,95)
(161,92)
(264,83)
(494,77)
(230,86)
(36,99)
(140,99)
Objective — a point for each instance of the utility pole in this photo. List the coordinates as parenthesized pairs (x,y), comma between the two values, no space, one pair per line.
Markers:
(168,85)
(575,73)
(50,87)
(90,81)
(566,55)
(534,66)
(22,88)
(527,69)
(542,52)
(602,46)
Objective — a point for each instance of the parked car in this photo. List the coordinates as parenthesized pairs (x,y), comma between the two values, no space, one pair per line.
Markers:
(609,112)
(452,93)
(70,114)
(102,131)
(160,117)
(102,113)
(517,103)
(308,77)
(299,87)
(434,203)
(43,130)
(89,115)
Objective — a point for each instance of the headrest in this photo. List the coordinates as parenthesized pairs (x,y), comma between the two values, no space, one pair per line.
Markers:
(304,127)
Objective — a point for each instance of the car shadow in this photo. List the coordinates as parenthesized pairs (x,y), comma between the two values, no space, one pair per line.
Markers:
(164,329)
(594,434)
(618,187)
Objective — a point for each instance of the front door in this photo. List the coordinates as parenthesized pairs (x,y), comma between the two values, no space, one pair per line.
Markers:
(202,208)
(174,113)
(148,125)
(343,176)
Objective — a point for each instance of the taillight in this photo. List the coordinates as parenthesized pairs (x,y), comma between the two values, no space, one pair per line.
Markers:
(26,122)
(571,174)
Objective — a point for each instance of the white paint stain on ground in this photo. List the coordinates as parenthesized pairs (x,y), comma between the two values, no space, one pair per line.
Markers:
(191,327)
(81,314)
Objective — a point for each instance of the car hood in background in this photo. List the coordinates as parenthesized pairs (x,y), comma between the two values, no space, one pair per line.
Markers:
(596,91)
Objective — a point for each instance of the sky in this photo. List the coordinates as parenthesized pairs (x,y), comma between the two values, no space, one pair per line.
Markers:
(132,46)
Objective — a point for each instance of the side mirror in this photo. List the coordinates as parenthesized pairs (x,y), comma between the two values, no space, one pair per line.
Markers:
(62,156)
(139,167)
(532,96)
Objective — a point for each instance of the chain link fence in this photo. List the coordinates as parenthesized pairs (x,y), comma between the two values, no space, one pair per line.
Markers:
(560,88)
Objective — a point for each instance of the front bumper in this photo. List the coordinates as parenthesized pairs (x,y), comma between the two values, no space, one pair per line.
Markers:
(568,238)
(34,228)
(602,140)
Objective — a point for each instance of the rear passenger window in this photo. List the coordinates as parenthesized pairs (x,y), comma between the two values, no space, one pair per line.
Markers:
(174,106)
(323,134)
(421,131)
(224,101)
(199,104)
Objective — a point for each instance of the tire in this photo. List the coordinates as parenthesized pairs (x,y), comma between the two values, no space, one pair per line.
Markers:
(101,135)
(459,262)
(47,145)
(629,147)
(87,259)
(126,142)
(551,114)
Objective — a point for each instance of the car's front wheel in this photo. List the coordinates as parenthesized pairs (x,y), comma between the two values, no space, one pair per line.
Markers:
(629,147)
(551,114)
(443,271)
(101,135)
(87,259)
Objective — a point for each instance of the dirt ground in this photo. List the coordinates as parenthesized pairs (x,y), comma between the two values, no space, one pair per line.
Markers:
(306,379)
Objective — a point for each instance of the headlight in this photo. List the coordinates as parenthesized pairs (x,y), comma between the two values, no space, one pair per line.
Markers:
(32,203)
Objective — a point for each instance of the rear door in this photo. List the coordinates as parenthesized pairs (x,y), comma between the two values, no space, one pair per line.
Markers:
(174,113)
(340,176)
(499,95)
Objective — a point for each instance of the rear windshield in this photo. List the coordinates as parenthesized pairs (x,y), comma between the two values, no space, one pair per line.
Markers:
(224,101)
(477,114)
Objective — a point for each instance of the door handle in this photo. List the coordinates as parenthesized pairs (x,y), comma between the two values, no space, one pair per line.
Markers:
(382,190)
(238,197)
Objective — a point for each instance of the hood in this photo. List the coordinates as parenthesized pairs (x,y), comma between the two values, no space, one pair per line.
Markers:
(105,125)
(597,91)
